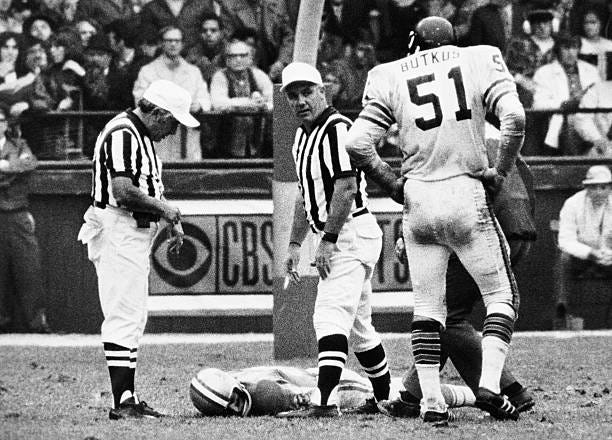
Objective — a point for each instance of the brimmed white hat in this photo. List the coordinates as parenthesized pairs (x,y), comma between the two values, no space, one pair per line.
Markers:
(171,97)
(597,175)
(297,71)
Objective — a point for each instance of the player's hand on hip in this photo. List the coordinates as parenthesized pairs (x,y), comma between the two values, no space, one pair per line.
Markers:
(397,190)
(492,181)
(323,257)
(175,238)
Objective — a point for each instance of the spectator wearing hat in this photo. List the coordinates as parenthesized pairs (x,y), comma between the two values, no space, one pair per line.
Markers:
(596,128)
(561,84)
(170,65)
(585,235)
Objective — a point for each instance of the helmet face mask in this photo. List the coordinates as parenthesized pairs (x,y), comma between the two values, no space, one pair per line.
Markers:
(217,393)
(429,33)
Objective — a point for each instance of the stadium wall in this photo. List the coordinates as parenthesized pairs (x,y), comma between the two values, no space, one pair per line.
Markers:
(239,243)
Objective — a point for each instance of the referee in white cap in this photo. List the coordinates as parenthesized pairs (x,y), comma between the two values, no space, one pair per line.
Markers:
(333,203)
(127,204)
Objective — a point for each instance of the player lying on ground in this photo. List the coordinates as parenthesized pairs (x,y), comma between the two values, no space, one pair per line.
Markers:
(270,390)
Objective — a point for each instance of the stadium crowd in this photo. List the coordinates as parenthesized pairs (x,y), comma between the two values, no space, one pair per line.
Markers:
(87,55)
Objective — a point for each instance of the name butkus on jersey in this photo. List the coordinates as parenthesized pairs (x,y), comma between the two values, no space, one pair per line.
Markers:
(440,99)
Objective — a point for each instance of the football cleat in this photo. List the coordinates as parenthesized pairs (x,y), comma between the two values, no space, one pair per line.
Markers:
(495,404)
(367,407)
(313,411)
(399,408)
(522,400)
(438,419)
(129,409)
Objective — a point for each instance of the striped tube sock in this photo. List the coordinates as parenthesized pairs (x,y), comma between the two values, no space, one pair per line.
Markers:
(426,352)
(333,351)
(121,375)
(496,336)
(374,363)
(133,362)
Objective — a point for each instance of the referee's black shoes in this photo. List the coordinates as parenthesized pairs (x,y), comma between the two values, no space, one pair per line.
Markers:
(129,409)
(312,411)
(497,405)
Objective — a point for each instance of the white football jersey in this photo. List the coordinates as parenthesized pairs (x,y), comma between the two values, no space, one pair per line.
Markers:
(439,99)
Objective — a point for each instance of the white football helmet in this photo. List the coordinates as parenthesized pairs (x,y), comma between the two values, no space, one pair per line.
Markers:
(211,393)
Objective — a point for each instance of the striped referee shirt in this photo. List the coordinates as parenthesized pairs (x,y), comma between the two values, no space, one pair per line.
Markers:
(320,158)
(124,149)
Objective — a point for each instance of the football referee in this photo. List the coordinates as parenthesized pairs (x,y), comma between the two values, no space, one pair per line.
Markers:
(332,202)
(119,228)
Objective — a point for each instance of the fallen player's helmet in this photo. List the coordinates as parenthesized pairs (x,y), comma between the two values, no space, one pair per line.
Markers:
(431,32)
(217,393)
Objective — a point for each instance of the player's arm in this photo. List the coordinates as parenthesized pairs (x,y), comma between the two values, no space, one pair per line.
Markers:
(501,100)
(367,131)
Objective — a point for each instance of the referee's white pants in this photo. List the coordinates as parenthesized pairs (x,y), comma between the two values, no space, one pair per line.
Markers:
(452,215)
(120,253)
(343,298)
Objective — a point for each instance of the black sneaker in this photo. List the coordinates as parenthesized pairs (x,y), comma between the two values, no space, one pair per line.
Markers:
(367,407)
(495,404)
(438,419)
(399,408)
(522,400)
(314,411)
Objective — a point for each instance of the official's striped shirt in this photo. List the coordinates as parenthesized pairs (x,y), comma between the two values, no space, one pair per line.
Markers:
(124,149)
(320,158)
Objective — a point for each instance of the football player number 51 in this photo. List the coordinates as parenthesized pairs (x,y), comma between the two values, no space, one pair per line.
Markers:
(426,124)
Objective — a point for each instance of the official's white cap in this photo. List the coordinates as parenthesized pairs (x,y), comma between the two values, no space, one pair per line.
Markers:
(297,71)
(597,175)
(171,97)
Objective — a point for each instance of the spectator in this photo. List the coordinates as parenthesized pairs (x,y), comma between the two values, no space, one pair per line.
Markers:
(585,235)
(524,55)
(29,67)
(170,65)
(184,14)
(270,20)
(38,28)
(330,49)
(53,10)
(86,29)
(123,69)
(334,86)
(347,18)
(68,9)
(594,46)
(566,17)
(104,11)
(147,48)
(9,20)
(241,86)
(462,19)
(491,24)
(562,84)
(207,52)
(596,128)
(353,73)
(20,271)
(10,45)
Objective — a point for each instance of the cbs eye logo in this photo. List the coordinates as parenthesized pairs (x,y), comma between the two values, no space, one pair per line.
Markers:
(188,267)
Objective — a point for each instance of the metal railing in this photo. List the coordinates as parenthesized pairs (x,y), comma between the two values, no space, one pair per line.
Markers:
(70,135)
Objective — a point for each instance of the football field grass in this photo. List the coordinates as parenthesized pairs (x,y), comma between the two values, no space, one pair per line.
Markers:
(62,392)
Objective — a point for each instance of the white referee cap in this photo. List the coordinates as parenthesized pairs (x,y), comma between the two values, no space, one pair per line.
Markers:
(300,72)
(173,98)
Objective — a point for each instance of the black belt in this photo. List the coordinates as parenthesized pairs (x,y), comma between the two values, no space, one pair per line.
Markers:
(320,226)
(143,219)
